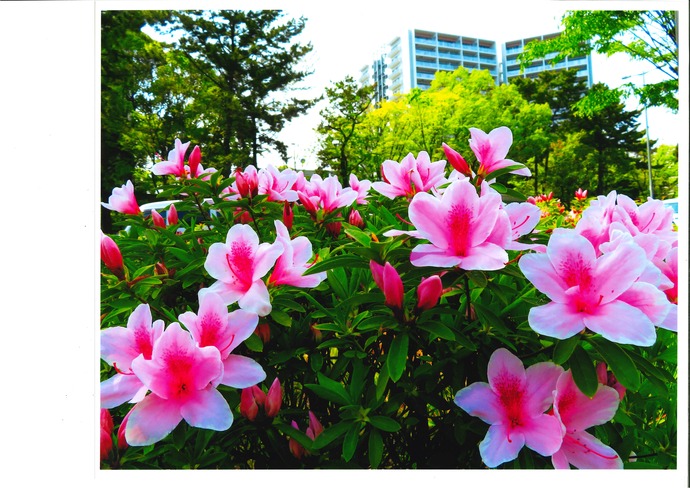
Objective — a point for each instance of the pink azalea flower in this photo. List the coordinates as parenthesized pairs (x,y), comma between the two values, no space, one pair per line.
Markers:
(669,267)
(119,347)
(175,162)
(292,263)
(651,217)
(239,265)
(277,185)
(410,176)
(578,412)
(181,377)
(588,291)
(123,200)
(463,229)
(214,326)
(491,150)
(361,187)
(106,433)
(513,402)
(388,280)
(327,194)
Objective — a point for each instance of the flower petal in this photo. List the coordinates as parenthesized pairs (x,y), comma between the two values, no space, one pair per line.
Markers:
(479,400)
(119,389)
(151,420)
(622,323)
(256,299)
(241,372)
(584,451)
(499,446)
(543,434)
(207,409)
(556,320)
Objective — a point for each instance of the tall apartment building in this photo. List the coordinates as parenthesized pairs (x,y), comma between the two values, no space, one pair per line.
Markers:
(413,59)
(511,65)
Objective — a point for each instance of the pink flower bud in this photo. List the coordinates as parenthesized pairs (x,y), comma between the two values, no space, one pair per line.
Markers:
(158,220)
(121,440)
(172,215)
(607,378)
(274,399)
(123,200)
(242,184)
(315,428)
(250,400)
(194,160)
(334,228)
(111,256)
(429,292)
(580,194)
(106,433)
(288,215)
(389,281)
(356,219)
(295,447)
(456,160)
(263,330)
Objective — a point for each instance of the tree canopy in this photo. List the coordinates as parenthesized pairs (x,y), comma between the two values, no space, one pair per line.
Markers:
(644,35)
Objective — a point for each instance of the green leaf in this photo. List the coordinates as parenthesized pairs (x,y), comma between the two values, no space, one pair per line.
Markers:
(254,343)
(620,363)
(281,317)
(584,372)
(330,390)
(330,434)
(345,261)
(350,441)
(358,235)
(295,434)
(437,329)
(381,383)
(384,423)
(396,359)
(375,448)
(564,348)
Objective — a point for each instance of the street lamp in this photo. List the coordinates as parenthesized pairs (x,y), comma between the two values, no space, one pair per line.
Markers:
(646,129)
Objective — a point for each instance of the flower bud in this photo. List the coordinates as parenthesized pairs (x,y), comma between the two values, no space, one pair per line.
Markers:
(121,440)
(456,160)
(172,215)
(288,215)
(194,160)
(295,447)
(263,330)
(111,256)
(334,228)
(315,428)
(250,400)
(106,433)
(274,399)
(356,219)
(429,292)
(158,220)
(389,281)
(580,194)
(608,378)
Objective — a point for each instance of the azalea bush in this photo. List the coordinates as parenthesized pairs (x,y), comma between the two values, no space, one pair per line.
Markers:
(432,319)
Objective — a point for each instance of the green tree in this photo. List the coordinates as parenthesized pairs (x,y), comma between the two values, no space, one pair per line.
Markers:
(348,105)
(251,60)
(645,35)
(613,134)
(128,58)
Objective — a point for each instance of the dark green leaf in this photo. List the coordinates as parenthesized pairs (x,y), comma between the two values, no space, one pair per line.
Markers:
(375,448)
(396,359)
(564,348)
(330,434)
(584,372)
(281,317)
(386,424)
(350,441)
(620,363)
(437,329)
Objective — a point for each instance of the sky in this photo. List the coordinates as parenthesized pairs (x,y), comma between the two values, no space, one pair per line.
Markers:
(49,251)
